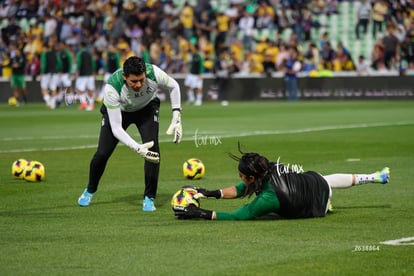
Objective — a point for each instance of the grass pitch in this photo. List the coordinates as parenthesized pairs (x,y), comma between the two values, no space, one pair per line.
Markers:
(44,232)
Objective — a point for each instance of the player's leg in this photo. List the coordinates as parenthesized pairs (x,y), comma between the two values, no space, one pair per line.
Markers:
(189,89)
(80,86)
(91,93)
(198,87)
(148,127)
(24,90)
(341,180)
(106,145)
(15,87)
(66,84)
(53,90)
(44,88)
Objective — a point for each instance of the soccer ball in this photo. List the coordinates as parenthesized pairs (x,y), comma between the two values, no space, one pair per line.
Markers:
(18,168)
(193,168)
(34,172)
(184,197)
(12,101)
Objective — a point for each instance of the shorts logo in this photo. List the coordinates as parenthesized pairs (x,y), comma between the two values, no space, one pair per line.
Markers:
(157,116)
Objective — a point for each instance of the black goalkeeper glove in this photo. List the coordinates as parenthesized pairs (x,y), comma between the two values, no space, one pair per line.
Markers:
(204,193)
(192,212)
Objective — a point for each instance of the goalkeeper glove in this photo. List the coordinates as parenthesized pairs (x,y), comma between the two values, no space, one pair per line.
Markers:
(204,193)
(191,211)
(175,126)
(150,156)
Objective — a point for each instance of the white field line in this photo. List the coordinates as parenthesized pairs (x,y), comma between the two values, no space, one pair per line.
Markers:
(192,137)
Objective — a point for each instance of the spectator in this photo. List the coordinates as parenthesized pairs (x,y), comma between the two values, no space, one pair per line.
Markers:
(291,69)
(6,70)
(328,55)
(282,56)
(205,26)
(65,29)
(407,52)
(284,21)
(34,67)
(311,58)
(391,47)
(362,66)
(12,32)
(380,10)
(34,46)
(187,20)
(223,25)
(269,65)
(265,16)
(307,24)
(331,7)
(377,56)
(246,28)
(363,17)
(49,28)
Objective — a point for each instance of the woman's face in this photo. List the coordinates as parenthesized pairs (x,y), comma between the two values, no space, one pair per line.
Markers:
(246,179)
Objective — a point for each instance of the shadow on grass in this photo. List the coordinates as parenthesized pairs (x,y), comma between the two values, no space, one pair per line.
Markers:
(364,207)
(134,199)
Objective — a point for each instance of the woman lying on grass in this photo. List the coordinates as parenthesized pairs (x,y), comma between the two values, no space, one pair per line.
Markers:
(279,189)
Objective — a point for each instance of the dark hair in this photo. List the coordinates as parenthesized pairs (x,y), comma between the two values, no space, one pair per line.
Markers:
(135,66)
(253,164)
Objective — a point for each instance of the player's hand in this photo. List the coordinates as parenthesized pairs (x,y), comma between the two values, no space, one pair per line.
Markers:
(176,127)
(204,193)
(151,156)
(191,211)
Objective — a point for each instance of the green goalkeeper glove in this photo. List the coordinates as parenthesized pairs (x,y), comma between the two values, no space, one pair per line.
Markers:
(192,212)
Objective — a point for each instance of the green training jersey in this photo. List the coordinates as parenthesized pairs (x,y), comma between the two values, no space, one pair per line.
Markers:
(264,203)
(117,94)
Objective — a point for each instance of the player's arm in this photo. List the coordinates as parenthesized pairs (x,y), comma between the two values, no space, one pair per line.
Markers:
(42,63)
(262,205)
(226,193)
(166,82)
(111,101)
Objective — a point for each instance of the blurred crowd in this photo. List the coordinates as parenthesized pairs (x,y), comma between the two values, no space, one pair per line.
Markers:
(163,32)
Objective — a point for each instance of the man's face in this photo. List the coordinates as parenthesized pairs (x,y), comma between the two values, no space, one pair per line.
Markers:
(135,81)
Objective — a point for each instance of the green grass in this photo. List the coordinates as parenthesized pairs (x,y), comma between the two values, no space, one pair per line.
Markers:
(44,232)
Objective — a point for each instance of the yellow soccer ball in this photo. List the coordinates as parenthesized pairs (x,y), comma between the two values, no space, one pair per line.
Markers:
(34,172)
(184,197)
(18,168)
(193,168)
(12,101)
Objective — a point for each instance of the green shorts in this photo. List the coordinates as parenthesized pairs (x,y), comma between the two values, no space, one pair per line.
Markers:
(18,81)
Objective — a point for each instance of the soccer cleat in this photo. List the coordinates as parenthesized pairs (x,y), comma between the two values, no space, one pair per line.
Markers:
(148,205)
(85,198)
(83,105)
(382,176)
(330,208)
(90,107)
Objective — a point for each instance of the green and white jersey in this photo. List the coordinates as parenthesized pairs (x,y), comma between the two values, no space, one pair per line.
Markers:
(117,94)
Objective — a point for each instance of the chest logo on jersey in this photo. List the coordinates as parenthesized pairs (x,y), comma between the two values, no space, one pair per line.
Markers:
(148,91)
